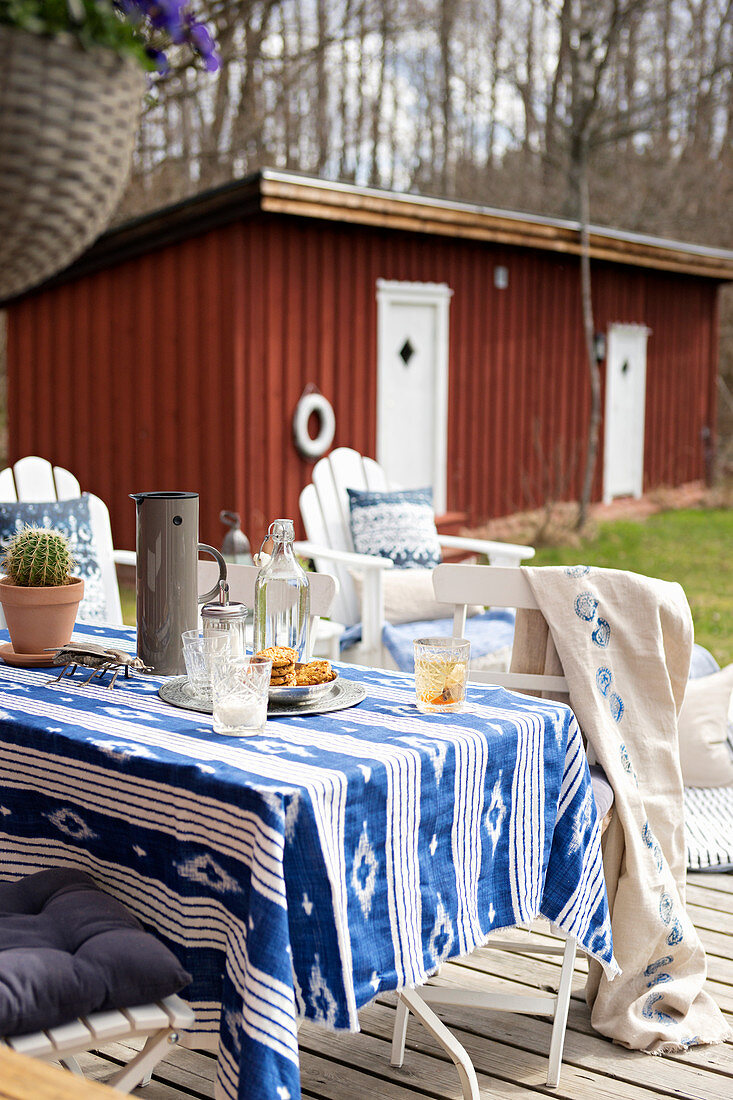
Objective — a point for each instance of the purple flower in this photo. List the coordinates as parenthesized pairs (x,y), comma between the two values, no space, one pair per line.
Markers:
(158,58)
(203,43)
(173,20)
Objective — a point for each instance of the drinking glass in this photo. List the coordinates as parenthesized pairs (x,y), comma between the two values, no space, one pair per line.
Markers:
(441,672)
(241,688)
(199,651)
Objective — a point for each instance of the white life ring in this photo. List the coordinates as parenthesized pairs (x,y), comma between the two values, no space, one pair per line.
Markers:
(314,446)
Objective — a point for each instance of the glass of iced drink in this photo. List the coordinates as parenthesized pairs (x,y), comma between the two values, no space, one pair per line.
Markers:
(441,672)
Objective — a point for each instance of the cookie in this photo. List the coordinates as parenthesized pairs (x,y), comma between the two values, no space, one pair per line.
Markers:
(315,672)
(285,681)
(280,655)
(281,673)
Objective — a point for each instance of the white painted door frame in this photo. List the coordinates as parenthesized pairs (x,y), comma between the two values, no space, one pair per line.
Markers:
(437,295)
(625,411)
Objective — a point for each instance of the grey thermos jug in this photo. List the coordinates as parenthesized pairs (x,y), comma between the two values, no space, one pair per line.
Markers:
(167,585)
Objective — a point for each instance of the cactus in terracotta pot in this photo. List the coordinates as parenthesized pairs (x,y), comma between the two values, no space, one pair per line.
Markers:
(39,596)
(37,557)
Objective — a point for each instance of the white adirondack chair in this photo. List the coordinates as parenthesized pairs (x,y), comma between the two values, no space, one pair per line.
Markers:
(324,508)
(158,1023)
(462,585)
(241,580)
(35,479)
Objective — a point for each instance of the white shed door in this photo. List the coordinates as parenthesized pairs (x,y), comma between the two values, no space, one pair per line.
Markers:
(623,465)
(412,385)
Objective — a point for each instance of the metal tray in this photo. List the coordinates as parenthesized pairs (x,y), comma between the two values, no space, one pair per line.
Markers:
(339,695)
(293,696)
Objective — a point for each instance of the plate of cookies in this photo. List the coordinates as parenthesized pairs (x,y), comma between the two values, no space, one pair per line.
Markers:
(294,682)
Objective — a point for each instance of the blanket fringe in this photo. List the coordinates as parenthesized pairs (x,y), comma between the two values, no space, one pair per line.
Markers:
(680,1048)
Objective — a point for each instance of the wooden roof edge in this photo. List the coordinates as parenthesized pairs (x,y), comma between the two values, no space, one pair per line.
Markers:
(508,233)
(273,191)
(315,198)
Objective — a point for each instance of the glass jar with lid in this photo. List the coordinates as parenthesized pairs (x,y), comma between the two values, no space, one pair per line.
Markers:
(223,616)
(282,595)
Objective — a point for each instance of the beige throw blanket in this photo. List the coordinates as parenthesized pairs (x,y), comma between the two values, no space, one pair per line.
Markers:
(625,643)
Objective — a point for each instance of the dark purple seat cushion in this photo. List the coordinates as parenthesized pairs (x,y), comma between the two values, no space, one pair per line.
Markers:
(67,949)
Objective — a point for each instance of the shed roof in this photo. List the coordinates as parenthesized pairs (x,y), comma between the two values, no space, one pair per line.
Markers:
(271,191)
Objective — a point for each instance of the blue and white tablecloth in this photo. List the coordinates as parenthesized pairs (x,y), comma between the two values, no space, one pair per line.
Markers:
(301,872)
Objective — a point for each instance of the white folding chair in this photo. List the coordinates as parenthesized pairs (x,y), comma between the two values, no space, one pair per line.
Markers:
(157,1023)
(493,586)
(241,579)
(324,509)
(35,479)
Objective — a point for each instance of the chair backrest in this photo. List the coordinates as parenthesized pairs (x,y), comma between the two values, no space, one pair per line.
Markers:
(241,579)
(34,479)
(324,509)
(491,586)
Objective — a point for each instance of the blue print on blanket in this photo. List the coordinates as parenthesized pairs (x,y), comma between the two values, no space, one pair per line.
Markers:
(659,979)
(616,706)
(577,570)
(604,679)
(675,936)
(651,843)
(658,964)
(665,907)
(651,1013)
(626,760)
(586,606)
(601,636)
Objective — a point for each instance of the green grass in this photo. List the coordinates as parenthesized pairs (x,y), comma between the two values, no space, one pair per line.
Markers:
(694,547)
(127,599)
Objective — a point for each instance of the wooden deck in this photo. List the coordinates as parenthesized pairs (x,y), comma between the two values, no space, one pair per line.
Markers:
(508,1051)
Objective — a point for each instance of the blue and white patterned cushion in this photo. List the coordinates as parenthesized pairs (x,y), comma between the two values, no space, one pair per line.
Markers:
(396,524)
(490,633)
(71,517)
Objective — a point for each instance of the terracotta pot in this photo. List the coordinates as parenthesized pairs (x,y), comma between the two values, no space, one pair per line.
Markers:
(40,618)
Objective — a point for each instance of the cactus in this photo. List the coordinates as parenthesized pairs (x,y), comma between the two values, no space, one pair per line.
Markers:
(38,557)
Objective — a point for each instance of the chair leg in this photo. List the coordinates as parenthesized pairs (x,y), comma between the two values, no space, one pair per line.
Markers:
(70,1063)
(139,1070)
(464,1065)
(562,1007)
(399,1035)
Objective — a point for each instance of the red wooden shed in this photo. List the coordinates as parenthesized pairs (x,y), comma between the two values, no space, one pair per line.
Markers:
(446,336)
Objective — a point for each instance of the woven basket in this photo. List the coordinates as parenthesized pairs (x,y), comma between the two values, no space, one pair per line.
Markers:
(68,119)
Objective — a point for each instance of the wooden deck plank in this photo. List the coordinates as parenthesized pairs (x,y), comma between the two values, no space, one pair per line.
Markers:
(586,1050)
(508,1051)
(501,1044)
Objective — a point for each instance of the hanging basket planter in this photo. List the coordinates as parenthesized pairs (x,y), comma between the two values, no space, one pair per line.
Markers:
(68,119)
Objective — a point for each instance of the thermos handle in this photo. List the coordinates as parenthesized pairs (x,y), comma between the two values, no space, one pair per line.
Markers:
(212,595)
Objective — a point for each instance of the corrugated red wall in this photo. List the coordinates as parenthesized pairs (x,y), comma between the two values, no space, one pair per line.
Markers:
(181,369)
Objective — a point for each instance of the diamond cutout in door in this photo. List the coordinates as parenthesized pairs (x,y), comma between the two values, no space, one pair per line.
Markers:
(406,352)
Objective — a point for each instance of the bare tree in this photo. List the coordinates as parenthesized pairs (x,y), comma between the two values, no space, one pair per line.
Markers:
(538,105)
